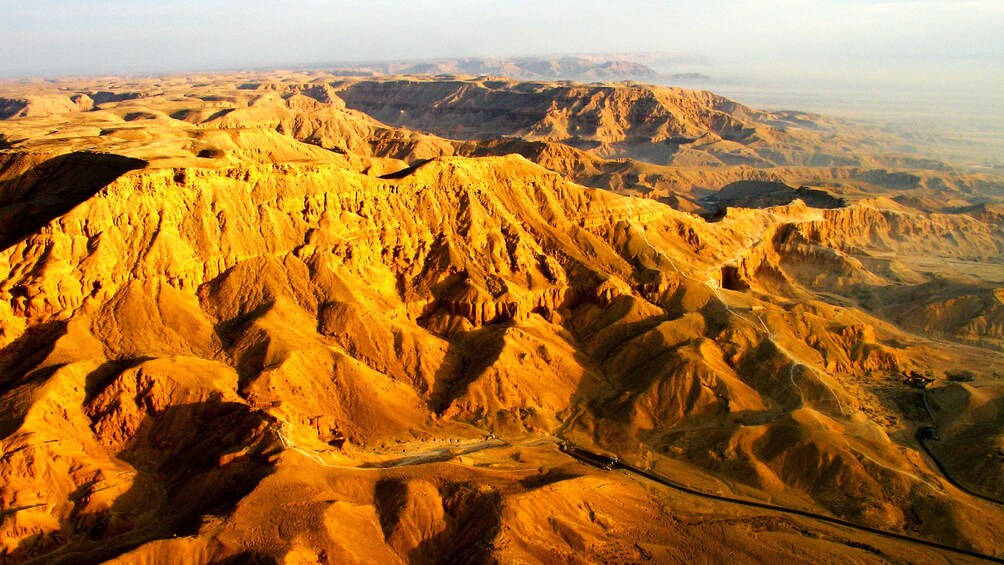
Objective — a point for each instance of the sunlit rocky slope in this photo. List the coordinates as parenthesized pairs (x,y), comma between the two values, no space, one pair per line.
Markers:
(303,319)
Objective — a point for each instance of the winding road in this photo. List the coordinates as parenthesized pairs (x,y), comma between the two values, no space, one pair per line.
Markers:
(613,463)
(944,470)
(922,435)
(621,465)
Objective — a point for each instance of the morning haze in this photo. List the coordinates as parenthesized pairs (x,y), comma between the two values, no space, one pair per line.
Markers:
(62,37)
(852,57)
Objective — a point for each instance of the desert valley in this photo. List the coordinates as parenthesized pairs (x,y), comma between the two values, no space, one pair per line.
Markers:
(317,317)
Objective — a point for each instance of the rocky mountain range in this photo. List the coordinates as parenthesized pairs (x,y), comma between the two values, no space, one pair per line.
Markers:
(304,317)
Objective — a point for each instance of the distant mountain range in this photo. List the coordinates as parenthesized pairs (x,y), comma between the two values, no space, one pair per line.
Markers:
(586,68)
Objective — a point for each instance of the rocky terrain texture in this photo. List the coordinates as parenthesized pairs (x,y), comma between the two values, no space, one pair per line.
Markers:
(304,318)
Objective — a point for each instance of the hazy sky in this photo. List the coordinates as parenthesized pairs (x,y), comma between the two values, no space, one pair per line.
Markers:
(52,37)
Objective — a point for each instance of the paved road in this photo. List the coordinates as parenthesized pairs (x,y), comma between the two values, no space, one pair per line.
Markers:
(919,436)
(783,509)
(606,462)
(437,454)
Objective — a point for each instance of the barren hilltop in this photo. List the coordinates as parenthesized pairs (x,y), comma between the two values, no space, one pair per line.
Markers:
(302,317)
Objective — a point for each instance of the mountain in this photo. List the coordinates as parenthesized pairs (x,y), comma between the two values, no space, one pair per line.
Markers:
(304,318)
(580,68)
(661,125)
